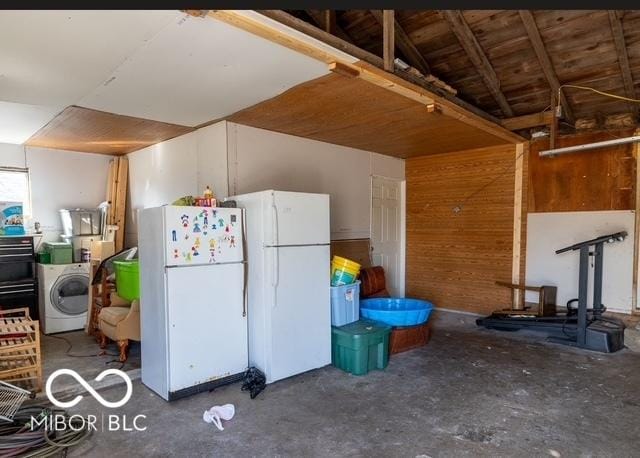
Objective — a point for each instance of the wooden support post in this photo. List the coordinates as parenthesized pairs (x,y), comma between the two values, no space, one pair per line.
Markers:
(330,21)
(121,201)
(111,189)
(636,236)
(518,298)
(405,45)
(388,36)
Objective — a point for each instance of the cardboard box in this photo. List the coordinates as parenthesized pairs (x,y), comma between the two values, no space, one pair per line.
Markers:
(102,249)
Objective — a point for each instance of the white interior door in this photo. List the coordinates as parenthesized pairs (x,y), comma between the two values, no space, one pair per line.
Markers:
(207,332)
(386,231)
(301,314)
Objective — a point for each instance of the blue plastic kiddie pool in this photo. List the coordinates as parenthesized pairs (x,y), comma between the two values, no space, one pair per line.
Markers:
(396,311)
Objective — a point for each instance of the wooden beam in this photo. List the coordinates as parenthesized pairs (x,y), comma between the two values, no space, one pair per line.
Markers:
(405,45)
(328,48)
(527,121)
(545,62)
(479,59)
(623,57)
(344,70)
(320,18)
(388,40)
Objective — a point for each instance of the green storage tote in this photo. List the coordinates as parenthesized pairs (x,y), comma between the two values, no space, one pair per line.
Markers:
(59,252)
(360,346)
(127,279)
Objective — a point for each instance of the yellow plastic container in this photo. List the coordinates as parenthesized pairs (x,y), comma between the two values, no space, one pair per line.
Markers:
(343,271)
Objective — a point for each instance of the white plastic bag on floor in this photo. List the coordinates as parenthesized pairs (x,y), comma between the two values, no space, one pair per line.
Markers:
(216,414)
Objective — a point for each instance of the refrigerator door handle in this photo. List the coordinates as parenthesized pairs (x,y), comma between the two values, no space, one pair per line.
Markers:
(245,264)
(274,211)
(276,256)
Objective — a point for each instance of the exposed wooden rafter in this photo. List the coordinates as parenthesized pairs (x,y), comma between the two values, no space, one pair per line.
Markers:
(405,45)
(545,62)
(477,56)
(307,39)
(388,39)
(623,58)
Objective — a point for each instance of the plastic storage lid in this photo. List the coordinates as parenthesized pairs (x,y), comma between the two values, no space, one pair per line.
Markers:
(57,244)
(363,327)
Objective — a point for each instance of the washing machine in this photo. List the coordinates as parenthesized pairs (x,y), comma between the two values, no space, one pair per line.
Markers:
(64,296)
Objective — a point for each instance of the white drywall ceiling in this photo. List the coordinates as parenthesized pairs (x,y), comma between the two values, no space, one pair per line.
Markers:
(160,65)
(18,121)
(51,59)
(196,70)
(55,58)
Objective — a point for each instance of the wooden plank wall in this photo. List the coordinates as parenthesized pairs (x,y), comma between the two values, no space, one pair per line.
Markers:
(601,179)
(455,258)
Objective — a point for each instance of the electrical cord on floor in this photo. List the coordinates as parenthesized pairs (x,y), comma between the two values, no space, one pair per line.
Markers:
(24,438)
(70,347)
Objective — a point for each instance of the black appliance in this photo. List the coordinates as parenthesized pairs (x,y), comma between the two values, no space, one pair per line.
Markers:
(18,278)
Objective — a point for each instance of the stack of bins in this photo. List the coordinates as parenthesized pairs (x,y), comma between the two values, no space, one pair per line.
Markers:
(357,346)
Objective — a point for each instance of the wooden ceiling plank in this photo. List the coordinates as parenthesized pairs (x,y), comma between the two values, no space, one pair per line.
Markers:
(405,45)
(388,40)
(350,112)
(477,56)
(451,105)
(92,131)
(623,57)
(528,121)
(530,26)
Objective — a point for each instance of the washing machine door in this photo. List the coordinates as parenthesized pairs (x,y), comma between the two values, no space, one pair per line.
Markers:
(70,294)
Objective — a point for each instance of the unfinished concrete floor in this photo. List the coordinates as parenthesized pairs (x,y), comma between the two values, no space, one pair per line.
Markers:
(470,392)
(80,352)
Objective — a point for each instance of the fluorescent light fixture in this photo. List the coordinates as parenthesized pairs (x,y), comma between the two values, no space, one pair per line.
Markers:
(589,146)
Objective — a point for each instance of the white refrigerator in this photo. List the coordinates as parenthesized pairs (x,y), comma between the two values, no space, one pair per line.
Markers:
(289,297)
(192,300)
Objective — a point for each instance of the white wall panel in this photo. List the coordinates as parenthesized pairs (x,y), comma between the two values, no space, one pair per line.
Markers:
(548,232)
(182,166)
(59,179)
(261,159)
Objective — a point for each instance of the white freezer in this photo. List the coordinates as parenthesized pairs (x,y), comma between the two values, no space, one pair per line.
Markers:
(281,218)
(289,295)
(192,303)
